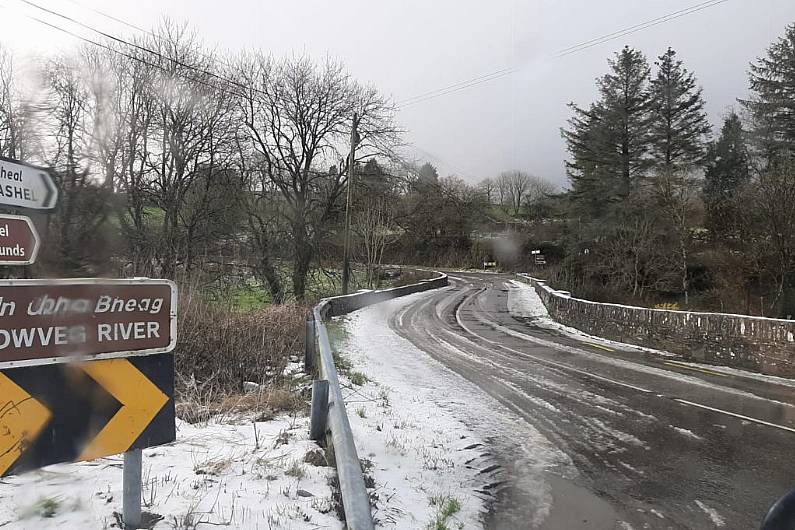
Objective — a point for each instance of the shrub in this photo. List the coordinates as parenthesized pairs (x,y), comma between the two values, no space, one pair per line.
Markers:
(219,348)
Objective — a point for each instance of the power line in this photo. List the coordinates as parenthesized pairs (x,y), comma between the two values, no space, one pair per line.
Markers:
(637,27)
(616,33)
(456,87)
(133,45)
(145,31)
(120,52)
(462,85)
(111,17)
(408,101)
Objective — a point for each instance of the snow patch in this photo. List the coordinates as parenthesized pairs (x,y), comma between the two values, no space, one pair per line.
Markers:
(713,514)
(239,474)
(687,434)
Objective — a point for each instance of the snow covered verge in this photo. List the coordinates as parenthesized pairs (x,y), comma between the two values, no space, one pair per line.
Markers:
(238,471)
(416,456)
(424,432)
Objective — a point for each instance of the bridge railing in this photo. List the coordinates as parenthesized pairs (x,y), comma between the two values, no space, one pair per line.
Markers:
(333,417)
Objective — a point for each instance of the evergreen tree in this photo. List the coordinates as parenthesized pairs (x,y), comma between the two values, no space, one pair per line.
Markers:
(772,105)
(427,174)
(609,142)
(679,126)
(728,170)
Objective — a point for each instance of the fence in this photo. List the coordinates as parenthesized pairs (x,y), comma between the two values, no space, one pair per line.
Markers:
(332,415)
(761,344)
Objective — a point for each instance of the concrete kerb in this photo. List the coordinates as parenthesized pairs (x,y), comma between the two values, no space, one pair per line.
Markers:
(355,500)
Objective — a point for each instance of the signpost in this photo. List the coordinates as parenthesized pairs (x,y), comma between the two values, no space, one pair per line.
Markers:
(19,240)
(26,186)
(84,365)
(85,373)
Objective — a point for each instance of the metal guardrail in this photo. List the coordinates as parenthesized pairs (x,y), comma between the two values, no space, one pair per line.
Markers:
(355,500)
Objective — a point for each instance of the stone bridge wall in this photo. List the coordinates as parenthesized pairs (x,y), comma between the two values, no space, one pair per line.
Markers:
(764,345)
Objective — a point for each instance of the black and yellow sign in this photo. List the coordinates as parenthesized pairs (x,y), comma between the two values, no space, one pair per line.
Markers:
(71,412)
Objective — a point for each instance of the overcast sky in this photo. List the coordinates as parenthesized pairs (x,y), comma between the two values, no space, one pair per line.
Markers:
(410,47)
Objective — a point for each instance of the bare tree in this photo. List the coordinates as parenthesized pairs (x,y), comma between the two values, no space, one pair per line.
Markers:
(513,187)
(376,230)
(298,118)
(191,130)
(15,115)
(677,192)
(771,213)
(488,188)
(68,114)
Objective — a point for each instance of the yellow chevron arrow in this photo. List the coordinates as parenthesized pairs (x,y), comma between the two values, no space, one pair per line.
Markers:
(141,400)
(22,419)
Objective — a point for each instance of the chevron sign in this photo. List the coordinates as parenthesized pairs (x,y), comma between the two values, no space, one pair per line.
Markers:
(84,369)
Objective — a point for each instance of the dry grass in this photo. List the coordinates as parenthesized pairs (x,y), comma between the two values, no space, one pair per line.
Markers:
(218,349)
(194,408)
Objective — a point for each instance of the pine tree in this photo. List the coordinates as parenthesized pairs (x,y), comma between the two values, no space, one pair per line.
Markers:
(728,170)
(772,105)
(679,126)
(609,142)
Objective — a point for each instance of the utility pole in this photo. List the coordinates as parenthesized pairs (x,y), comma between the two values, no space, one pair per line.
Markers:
(346,252)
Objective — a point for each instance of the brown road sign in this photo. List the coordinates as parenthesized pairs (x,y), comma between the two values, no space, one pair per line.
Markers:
(19,240)
(82,411)
(56,321)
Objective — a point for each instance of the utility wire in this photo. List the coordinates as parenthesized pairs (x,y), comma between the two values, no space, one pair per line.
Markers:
(462,85)
(113,18)
(637,27)
(122,53)
(134,45)
(616,33)
(420,98)
(459,87)
(146,31)
(409,101)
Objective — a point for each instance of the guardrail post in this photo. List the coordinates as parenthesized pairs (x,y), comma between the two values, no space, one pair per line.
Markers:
(309,346)
(319,414)
(131,489)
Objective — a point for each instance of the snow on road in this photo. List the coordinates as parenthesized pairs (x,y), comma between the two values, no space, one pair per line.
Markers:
(425,429)
(232,472)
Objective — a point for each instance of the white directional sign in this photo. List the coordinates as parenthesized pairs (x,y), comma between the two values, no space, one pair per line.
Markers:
(26,186)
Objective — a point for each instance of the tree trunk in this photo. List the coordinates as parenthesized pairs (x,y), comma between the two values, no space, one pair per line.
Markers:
(303,258)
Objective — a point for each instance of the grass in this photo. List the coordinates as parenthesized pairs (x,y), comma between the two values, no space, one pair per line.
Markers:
(249,297)
(358,378)
(446,508)
(337,336)
(296,470)
(47,507)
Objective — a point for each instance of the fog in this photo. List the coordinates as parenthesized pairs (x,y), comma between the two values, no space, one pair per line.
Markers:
(411,47)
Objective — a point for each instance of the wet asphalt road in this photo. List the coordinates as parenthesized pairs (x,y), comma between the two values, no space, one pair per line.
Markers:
(654,444)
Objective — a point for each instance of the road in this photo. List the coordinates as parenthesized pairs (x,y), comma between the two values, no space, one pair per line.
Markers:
(655,444)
